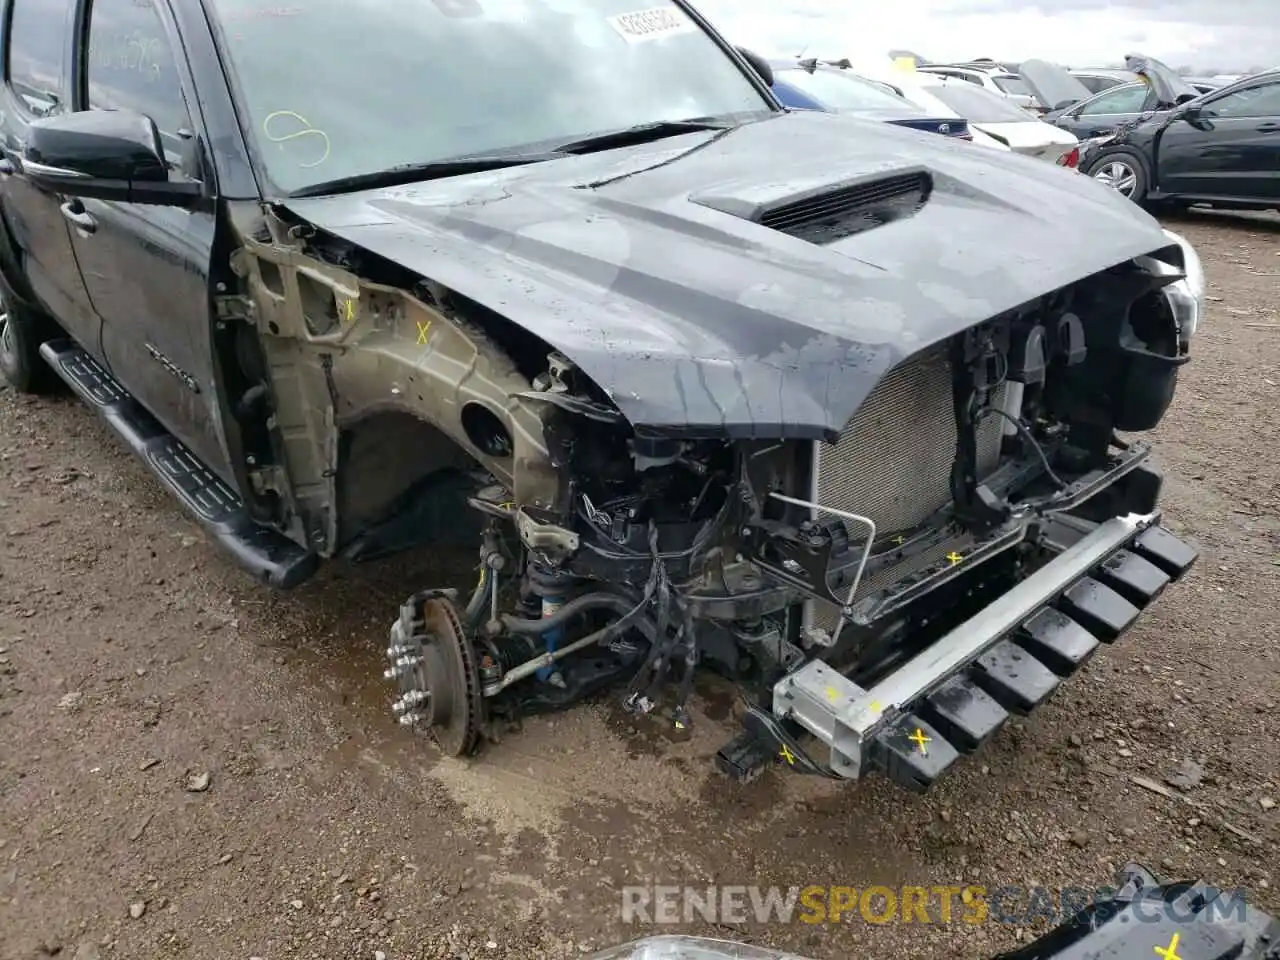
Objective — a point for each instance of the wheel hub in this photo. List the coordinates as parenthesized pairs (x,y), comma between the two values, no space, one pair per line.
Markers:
(1117,175)
(434,667)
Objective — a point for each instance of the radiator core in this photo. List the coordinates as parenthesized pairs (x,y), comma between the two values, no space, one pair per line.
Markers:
(893,460)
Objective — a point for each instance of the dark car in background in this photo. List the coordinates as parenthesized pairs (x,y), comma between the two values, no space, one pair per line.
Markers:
(806,85)
(1155,87)
(1221,149)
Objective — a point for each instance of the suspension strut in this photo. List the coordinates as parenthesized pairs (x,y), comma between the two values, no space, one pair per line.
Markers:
(553,586)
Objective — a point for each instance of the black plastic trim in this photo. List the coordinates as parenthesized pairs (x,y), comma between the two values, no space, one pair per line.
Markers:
(265,553)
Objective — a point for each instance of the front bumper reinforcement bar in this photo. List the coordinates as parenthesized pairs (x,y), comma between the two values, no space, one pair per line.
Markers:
(1007,658)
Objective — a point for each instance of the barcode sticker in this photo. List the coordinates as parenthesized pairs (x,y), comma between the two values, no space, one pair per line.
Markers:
(652,24)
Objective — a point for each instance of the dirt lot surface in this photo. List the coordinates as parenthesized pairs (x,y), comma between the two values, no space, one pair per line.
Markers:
(191,766)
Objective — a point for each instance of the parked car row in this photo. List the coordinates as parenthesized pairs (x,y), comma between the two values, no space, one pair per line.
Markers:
(934,102)
(1152,135)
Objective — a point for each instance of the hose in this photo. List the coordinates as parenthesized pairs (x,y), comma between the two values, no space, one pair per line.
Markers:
(588,601)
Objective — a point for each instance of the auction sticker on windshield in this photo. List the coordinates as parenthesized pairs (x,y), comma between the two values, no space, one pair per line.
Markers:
(651,24)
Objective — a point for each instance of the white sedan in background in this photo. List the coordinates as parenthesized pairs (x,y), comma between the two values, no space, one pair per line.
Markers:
(998,118)
(907,84)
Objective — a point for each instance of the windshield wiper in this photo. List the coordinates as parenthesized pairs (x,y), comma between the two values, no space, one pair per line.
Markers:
(417,172)
(642,133)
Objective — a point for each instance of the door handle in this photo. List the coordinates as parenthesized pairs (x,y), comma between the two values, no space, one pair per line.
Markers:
(74,211)
(1268,127)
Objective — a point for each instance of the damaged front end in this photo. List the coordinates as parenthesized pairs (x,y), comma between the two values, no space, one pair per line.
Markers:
(883,600)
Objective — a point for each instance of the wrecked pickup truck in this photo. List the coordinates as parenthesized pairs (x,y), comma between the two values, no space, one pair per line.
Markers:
(839,411)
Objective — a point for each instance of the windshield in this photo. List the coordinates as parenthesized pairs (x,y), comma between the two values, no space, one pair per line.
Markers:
(338,88)
(842,92)
(977,105)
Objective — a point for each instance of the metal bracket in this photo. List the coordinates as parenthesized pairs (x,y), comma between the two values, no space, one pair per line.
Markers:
(545,537)
(804,563)
(767,728)
(231,307)
(846,717)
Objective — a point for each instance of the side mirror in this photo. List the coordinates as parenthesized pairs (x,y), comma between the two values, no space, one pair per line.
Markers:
(758,63)
(1066,103)
(103,155)
(1191,113)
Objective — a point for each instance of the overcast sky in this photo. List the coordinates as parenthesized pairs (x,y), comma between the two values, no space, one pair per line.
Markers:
(1228,34)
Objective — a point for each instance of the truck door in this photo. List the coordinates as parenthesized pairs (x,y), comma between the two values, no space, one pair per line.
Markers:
(146,268)
(36,52)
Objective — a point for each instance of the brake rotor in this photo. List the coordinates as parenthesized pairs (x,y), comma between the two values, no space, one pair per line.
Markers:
(433,661)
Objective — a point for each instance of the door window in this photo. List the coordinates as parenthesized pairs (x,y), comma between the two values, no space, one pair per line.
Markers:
(37,37)
(131,66)
(1260,101)
(1127,99)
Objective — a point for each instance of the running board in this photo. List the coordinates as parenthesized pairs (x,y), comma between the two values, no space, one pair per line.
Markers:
(916,722)
(266,554)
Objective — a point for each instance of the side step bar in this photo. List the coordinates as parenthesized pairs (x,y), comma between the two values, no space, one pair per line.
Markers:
(266,554)
(950,698)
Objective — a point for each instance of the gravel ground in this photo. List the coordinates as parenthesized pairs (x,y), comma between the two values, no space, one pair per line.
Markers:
(191,766)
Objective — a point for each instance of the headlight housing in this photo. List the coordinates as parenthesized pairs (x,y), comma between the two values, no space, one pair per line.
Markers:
(1187,296)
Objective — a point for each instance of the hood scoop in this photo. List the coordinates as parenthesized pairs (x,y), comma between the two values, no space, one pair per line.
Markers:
(832,212)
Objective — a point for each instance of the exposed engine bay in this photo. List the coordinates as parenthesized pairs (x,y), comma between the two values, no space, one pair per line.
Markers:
(665,555)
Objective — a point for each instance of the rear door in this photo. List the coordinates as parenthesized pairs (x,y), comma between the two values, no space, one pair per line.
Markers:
(146,268)
(37,54)
(1231,149)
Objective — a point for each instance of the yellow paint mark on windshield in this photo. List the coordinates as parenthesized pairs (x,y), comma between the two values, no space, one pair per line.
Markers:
(280,117)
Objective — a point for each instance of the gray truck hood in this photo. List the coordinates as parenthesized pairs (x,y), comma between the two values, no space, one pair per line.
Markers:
(698,321)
